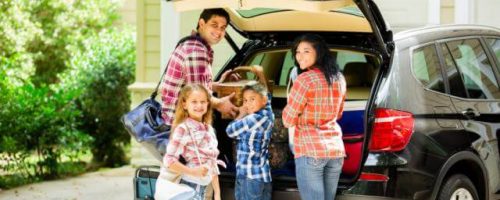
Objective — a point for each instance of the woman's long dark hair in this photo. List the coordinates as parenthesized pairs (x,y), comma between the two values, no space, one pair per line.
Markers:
(324,58)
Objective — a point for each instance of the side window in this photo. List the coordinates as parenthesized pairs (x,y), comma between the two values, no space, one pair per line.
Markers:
(425,64)
(474,68)
(288,63)
(495,45)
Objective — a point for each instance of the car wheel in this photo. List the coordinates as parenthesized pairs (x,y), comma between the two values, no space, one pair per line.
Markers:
(458,187)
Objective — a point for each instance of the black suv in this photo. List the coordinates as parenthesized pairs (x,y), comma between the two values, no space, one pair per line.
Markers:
(422,115)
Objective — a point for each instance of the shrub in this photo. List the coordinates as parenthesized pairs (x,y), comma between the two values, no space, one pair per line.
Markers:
(39,120)
(104,70)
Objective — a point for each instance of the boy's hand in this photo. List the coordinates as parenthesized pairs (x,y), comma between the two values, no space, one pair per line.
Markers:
(243,111)
(257,69)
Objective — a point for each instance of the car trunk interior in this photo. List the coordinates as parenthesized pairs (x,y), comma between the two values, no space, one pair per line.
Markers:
(359,69)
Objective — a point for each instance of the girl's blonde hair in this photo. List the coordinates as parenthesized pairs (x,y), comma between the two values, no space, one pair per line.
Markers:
(181,114)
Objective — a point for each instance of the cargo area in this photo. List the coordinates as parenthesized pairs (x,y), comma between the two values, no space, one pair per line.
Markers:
(358,69)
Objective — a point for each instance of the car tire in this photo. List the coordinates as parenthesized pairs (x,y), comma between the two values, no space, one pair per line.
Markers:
(458,187)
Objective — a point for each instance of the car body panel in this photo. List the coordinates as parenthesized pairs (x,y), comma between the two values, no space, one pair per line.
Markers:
(442,134)
(444,140)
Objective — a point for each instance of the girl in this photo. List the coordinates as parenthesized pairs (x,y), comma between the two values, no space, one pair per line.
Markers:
(194,139)
(315,103)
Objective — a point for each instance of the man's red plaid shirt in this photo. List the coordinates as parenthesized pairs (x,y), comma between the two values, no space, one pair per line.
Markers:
(190,63)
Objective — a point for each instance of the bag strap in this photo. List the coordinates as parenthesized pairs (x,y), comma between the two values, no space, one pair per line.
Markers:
(194,142)
(190,37)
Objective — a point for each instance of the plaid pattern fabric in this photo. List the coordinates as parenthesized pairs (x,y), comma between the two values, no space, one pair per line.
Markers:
(191,62)
(182,143)
(253,133)
(311,107)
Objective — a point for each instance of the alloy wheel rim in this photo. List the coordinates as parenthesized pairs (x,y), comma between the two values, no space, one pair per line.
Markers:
(461,194)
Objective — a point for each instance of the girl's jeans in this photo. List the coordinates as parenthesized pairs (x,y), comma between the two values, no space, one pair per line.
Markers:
(318,178)
(198,189)
(248,189)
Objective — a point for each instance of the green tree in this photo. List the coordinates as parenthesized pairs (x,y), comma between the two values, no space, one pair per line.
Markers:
(104,70)
(63,78)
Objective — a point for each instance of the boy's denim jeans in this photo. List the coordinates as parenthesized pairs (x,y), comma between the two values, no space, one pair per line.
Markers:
(318,178)
(248,189)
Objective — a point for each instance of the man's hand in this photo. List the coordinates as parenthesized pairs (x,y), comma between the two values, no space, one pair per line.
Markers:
(233,77)
(225,106)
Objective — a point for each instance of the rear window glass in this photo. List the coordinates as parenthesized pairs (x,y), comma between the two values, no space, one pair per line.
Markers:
(425,64)
(495,45)
(352,10)
(256,12)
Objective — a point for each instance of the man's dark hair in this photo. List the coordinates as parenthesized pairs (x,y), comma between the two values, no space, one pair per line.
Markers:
(208,13)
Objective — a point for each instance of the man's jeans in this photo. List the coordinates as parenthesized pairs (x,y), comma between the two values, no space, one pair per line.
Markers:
(318,178)
(248,189)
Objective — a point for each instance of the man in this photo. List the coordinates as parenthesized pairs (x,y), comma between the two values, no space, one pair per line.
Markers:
(191,62)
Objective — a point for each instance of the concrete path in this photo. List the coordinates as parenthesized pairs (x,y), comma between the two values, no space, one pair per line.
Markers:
(107,184)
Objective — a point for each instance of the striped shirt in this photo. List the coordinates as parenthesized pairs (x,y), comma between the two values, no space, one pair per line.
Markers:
(190,63)
(313,107)
(253,133)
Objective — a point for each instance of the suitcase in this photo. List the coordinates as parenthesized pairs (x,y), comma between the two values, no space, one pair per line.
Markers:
(145,182)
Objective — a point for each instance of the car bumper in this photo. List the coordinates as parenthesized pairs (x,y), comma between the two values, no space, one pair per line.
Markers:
(362,197)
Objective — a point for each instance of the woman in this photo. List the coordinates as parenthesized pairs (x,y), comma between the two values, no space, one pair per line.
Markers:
(316,101)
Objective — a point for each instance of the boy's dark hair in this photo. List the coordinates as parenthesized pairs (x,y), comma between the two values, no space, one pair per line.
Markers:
(256,87)
(206,14)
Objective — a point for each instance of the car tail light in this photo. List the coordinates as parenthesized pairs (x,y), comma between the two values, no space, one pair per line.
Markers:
(373,177)
(392,130)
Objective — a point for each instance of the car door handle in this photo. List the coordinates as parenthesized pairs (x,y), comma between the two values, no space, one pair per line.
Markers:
(470,113)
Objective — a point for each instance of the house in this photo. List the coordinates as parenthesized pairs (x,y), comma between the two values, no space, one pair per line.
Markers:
(159,27)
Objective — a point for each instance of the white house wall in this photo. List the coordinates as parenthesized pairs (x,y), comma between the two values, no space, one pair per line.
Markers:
(487,12)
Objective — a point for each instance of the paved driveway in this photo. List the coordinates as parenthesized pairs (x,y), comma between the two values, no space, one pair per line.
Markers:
(106,184)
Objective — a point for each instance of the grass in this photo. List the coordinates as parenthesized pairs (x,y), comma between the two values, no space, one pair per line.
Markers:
(67,168)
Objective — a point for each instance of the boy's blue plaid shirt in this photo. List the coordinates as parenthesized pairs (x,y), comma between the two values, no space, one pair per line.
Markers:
(253,133)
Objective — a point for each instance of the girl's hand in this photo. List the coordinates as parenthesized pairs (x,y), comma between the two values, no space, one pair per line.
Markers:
(200,171)
(217,196)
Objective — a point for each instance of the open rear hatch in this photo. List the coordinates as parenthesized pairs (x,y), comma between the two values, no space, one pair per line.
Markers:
(284,19)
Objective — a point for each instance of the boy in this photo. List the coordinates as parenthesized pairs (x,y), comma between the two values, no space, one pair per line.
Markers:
(252,128)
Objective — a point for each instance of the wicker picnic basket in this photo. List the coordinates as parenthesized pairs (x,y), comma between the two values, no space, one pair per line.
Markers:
(225,87)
